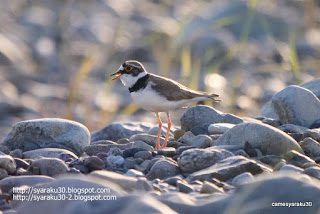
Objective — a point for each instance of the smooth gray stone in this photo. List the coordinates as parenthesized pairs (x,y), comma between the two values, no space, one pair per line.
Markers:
(48,166)
(163,169)
(8,183)
(48,132)
(193,160)
(200,115)
(117,131)
(290,104)
(267,139)
(49,153)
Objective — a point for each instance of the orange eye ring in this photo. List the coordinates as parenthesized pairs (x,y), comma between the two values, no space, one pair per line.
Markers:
(128,68)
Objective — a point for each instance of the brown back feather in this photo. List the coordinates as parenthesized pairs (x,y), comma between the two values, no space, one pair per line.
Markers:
(173,90)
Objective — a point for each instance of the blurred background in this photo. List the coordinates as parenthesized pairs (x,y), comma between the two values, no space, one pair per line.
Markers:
(56,55)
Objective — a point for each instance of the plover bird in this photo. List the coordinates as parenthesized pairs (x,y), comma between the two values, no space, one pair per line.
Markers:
(157,94)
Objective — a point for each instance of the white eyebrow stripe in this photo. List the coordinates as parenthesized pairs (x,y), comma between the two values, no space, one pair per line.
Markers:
(121,68)
(133,65)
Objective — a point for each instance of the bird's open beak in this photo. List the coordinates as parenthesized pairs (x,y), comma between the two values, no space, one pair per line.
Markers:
(117,75)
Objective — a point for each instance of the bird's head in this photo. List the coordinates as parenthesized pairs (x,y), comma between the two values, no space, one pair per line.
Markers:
(130,72)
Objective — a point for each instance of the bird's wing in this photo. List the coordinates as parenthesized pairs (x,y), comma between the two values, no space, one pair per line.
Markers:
(173,90)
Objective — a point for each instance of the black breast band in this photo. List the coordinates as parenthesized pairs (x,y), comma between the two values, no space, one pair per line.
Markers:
(140,84)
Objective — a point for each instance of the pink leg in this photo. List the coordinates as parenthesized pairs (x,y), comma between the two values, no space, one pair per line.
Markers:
(159,132)
(168,131)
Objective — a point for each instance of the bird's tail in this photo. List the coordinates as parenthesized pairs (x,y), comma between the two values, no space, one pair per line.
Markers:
(214,97)
(203,96)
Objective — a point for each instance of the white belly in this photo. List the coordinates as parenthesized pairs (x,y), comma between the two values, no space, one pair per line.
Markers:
(151,101)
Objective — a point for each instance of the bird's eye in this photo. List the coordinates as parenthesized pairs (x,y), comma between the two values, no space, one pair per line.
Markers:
(128,68)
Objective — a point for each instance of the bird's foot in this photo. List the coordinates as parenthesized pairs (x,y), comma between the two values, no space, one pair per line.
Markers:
(157,147)
(164,145)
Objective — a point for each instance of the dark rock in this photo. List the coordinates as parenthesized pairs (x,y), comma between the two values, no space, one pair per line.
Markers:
(115,161)
(22,171)
(200,130)
(93,163)
(129,162)
(142,145)
(17,153)
(173,180)
(163,169)
(169,151)
(102,155)
(8,163)
(184,148)
(272,122)
(217,182)
(95,149)
(115,151)
(229,168)
(250,150)
(139,160)
(21,163)
(81,168)
(317,159)
(155,159)
(271,160)
(123,141)
(297,159)
(196,182)
(3,173)
(174,144)
(313,172)
(313,133)
(290,128)
(199,141)
(310,147)
(296,136)
(242,153)
(78,161)
(74,170)
(131,152)
(315,124)
(145,155)
(184,187)
(144,167)
(176,157)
